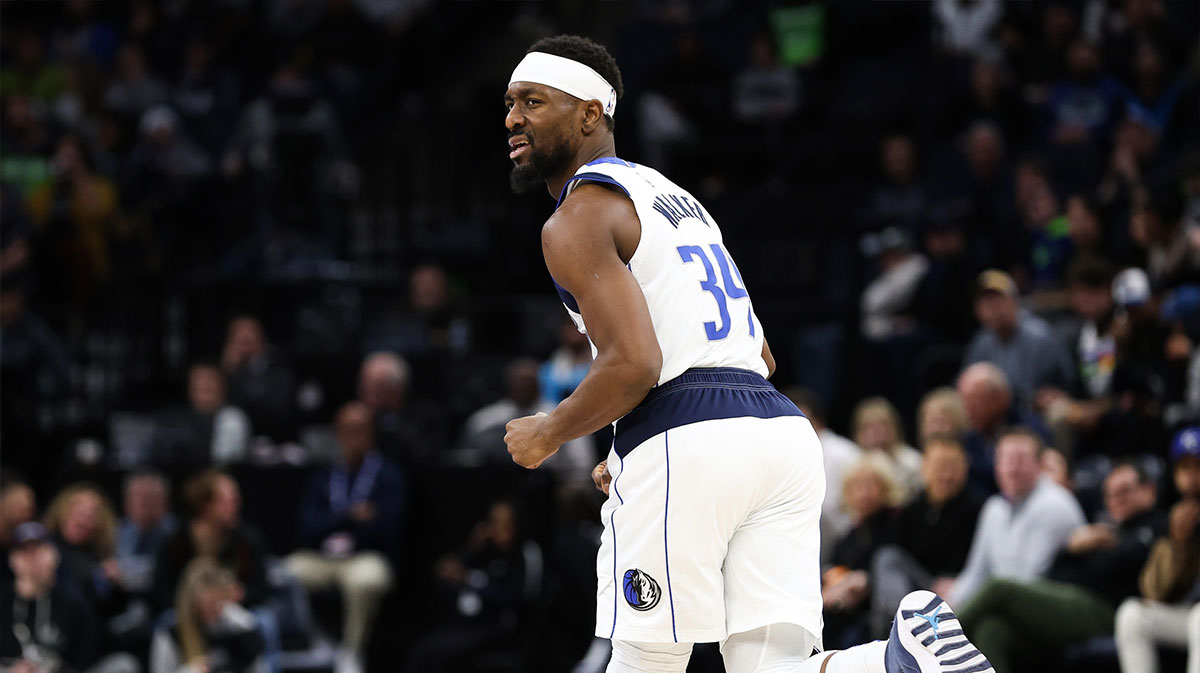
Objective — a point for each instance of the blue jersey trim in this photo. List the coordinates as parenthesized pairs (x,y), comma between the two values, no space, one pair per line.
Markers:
(567,298)
(612,523)
(611,160)
(700,395)
(589,177)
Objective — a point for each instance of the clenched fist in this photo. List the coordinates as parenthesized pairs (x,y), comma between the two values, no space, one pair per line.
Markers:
(526,441)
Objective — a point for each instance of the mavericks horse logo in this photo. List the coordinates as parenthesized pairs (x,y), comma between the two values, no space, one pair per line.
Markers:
(641,591)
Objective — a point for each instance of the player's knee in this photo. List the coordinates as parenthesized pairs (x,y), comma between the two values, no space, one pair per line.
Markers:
(777,648)
(631,657)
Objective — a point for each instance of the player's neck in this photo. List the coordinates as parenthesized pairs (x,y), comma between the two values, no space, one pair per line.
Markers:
(603,147)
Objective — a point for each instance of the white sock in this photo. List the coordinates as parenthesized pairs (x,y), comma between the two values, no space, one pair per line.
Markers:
(866,658)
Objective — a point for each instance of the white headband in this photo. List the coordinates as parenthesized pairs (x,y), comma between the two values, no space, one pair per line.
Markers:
(570,77)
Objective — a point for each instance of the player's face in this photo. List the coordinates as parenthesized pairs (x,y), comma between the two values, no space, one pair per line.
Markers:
(540,141)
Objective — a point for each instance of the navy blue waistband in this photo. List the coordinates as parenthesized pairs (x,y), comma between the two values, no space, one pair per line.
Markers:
(700,395)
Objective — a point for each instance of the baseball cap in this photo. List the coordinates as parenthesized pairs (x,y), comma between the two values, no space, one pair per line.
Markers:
(995,280)
(1131,287)
(30,532)
(1186,443)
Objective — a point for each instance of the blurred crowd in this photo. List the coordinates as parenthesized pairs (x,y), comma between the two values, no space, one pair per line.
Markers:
(263,286)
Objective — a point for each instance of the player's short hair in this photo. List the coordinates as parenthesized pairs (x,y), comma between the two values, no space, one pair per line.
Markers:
(587,52)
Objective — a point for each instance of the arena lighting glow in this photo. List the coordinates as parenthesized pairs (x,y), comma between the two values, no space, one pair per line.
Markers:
(570,77)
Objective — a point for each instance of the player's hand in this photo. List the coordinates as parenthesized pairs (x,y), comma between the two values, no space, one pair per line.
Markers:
(526,442)
(601,476)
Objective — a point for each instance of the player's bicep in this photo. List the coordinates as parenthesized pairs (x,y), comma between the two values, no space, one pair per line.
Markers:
(582,257)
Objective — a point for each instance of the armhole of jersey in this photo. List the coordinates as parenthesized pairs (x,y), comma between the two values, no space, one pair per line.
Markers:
(604,178)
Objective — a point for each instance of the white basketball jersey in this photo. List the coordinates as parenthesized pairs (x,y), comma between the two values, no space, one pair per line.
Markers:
(699,305)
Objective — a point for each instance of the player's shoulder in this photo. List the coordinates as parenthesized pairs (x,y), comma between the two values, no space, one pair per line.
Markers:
(591,205)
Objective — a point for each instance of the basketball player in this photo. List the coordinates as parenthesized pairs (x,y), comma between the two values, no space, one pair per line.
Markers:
(715,479)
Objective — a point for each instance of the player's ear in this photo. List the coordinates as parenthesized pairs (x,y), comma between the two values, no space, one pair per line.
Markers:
(592,117)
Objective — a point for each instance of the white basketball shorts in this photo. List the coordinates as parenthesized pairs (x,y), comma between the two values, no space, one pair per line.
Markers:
(711,526)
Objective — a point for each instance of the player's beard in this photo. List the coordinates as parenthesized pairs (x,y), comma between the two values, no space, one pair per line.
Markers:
(541,165)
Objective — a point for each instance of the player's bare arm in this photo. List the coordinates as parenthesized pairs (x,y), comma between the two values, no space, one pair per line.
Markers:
(768,358)
(584,244)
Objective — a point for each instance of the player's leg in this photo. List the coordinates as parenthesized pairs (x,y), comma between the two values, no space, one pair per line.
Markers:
(634,657)
(666,526)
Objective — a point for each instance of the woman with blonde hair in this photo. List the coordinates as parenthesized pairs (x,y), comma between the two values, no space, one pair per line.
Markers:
(871,494)
(877,428)
(84,525)
(941,414)
(208,632)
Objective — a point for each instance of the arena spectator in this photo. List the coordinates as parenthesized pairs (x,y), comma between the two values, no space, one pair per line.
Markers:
(213,529)
(567,365)
(207,630)
(259,381)
(350,528)
(205,94)
(84,525)
(942,302)
(941,414)
(839,454)
(136,87)
(1084,106)
(383,385)
(147,523)
(18,504)
(483,432)
(1016,341)
(887,300)
(1022,528)
(490,583)
(50,628)
(967,27)
(765,92)
(877,428)
(1078,411)
(209,432)
(932,535)
(73,214)
(870,492)
(1168,609)
(900,197)
(1096,570)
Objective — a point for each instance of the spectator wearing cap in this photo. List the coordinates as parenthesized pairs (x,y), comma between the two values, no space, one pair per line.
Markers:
(1094,571)
(1140,381)
(48,627)
(1168,610)
(1018,342)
